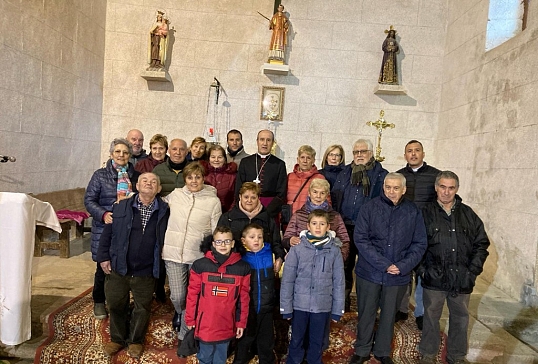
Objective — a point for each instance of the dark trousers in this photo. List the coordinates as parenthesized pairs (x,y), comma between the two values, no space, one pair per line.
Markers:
(458,323)
(98,293)
(303,324)
(159,285)
(370,297)
(257,338)
(213,353)
(349,264)
(124,328)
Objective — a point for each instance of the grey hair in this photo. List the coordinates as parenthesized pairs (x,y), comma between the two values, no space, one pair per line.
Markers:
(319,183)
(123,141)
(447,175)
(364,141)
(395,175)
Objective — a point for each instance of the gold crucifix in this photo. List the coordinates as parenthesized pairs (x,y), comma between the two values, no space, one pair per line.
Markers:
(380,124)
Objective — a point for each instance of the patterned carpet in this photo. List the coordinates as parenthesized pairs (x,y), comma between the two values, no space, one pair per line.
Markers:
(75,337)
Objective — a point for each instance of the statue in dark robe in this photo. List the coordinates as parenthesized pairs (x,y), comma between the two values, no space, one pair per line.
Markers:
(389,67)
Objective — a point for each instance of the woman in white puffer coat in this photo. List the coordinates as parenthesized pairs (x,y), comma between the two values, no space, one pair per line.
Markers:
(194,212)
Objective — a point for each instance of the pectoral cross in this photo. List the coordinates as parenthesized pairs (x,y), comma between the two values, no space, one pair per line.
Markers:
(380,124)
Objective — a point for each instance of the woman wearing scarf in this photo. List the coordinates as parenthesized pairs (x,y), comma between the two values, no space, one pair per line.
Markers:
(358,183)
(250,210)
(317,199)
(114,182)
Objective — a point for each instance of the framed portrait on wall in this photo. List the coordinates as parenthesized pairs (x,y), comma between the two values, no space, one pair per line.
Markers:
(272,103)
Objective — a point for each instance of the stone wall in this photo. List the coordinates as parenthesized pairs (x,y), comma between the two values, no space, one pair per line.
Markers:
(488,133)
(335,57)
(51,75)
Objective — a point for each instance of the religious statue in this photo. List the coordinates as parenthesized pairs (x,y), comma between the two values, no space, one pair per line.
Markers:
(279,25)
(389,68)
(158,42)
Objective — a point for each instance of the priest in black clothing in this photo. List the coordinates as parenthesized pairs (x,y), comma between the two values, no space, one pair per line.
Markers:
(266,170)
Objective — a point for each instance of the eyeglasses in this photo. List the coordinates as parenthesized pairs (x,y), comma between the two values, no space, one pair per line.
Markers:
(220,242)
(359,152)
(334,155)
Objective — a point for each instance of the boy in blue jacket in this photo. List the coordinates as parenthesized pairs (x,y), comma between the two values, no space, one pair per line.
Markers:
(312,288)
(259,334)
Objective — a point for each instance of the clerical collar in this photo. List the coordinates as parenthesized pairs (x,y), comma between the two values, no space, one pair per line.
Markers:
(416,169)
(264,156)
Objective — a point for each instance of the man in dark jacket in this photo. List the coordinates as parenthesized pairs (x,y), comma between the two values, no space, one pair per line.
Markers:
(420,181)
(457,250)
(359,181)
(170,172)
(391,239)
(129,253)
(136,138)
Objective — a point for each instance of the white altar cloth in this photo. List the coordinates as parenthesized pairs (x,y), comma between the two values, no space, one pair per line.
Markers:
(19,214)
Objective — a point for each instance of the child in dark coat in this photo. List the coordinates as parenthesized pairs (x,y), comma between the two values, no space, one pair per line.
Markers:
(258,337)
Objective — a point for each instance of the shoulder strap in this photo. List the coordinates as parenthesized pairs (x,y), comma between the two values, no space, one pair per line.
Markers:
(300,189)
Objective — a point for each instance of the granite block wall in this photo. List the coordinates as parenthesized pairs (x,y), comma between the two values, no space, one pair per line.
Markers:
(487,134)
(51,97)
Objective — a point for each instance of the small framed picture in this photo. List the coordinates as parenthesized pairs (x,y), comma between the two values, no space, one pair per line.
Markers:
(272,103)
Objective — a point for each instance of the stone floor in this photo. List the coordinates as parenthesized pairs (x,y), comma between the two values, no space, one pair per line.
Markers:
(502,331)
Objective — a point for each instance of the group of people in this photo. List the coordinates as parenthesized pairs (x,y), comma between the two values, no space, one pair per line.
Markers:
(211,221)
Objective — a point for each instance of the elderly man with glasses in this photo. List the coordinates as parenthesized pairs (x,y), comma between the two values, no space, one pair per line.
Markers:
(358,183)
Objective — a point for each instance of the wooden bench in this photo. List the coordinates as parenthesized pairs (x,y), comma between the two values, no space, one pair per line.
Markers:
(72,200)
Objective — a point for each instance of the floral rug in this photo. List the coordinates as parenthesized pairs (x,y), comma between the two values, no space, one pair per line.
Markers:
(75,336)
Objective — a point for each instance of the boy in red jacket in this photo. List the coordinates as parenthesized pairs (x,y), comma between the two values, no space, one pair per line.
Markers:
(218,298)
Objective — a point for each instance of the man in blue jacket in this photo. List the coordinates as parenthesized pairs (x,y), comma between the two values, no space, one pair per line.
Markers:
(391,239)
(129,253)
(359,181)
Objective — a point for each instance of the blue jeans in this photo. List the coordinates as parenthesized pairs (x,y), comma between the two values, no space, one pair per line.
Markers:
(419,292)
(213,353)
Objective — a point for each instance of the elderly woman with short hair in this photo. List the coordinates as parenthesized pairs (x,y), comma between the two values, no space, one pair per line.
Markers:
(112,183)
(158,146)
(318,193)
(304,172)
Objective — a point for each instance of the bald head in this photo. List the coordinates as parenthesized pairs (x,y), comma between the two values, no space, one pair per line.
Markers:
(177,149)
(136,138)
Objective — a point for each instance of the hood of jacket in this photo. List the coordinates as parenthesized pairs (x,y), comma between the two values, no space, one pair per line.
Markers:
(303,174)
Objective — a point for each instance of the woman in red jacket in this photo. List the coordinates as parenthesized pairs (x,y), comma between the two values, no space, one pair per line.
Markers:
(221,175)
(303,173)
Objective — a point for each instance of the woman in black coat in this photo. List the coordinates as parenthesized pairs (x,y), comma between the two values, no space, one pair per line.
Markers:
(250,210)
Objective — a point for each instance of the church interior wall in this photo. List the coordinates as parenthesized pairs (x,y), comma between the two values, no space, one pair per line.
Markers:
(334,57)
(487,134)
(51,76)
(70,83)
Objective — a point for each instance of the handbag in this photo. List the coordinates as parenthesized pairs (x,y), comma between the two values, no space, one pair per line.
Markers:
(189,345)
(286,208)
